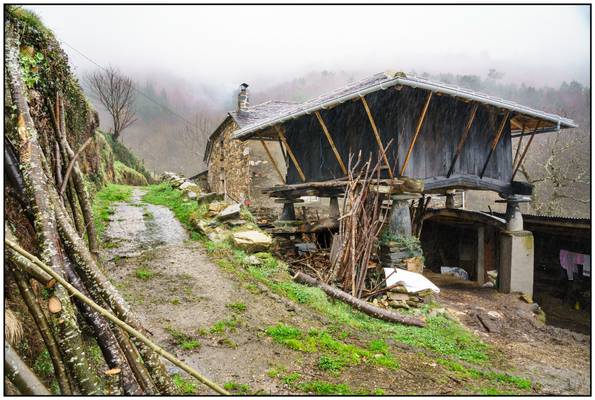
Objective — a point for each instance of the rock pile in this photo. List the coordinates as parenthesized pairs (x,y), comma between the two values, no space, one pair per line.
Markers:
(223,220)
(398,297)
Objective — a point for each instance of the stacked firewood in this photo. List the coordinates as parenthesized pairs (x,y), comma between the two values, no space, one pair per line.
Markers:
(359,227)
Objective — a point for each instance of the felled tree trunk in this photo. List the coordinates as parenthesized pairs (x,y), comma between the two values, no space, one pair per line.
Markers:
(105,339)
(35,180)
(44,330)
(79,185)
(20,375)
(358,304)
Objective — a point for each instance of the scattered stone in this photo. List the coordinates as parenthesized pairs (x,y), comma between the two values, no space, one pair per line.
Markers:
(252,241)
(189,186)
(437,311)
(229,212)
(488,284)
(191,195)
(209,197)
(397,296)
(398,304)
(527,298)
(216,237)
(490,324)
(304,248)
(216,207)
(253,260)
(495,314)
(235,222)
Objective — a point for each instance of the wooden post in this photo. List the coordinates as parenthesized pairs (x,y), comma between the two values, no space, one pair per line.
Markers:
(266,148)
(525,151)
(463,139)
(420,122)
(495,142)
(377,135)
(291,155)
(516,156)
(331,142)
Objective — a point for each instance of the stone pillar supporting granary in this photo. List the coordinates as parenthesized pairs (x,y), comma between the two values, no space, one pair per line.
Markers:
(516,250)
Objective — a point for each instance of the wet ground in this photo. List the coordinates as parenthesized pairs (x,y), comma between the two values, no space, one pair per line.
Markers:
(559,359)
(177,291)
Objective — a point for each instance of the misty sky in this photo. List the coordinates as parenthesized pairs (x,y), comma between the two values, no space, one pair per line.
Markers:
(225,45)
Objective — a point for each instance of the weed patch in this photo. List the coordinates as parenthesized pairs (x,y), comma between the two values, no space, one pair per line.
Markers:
(237,388)
(144,273)
(185,386)
(239,307)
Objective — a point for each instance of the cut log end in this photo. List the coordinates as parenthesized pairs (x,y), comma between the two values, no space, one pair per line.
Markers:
(54,305)
(113,371)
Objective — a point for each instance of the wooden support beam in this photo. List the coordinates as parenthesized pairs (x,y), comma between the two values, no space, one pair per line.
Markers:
(518,147)
(290,152)
(495,142)
(524,152)
(331,142)
(377,135)
(420,123)
(463,139)
(266,148)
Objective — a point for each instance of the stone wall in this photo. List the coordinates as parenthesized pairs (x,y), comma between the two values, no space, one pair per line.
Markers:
(241,170)
(229,170)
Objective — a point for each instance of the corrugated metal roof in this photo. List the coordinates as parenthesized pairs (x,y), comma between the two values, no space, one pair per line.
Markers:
(382,81)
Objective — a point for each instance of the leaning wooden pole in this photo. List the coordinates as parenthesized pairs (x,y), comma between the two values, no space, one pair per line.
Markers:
(420,123)
(461,143)
(130,330)
(20,375)
(290,152)
(331,142)
(495,142)
(359,304)
(79,185)
(36,183)
(44,330)
(377,136)
(522,158)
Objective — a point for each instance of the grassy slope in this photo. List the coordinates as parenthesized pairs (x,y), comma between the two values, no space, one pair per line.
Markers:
(450,342)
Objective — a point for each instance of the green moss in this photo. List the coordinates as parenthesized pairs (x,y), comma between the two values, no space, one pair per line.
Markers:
(128,176)
(43,365)
(290,379)
(463,372)
(330,363)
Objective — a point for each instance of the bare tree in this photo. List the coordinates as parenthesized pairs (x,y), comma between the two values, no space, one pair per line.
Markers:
(115,91)
(559,170)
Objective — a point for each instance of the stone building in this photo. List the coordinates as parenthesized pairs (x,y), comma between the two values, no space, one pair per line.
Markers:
(240,169)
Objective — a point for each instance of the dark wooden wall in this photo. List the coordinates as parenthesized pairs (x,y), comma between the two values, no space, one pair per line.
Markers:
(396,114)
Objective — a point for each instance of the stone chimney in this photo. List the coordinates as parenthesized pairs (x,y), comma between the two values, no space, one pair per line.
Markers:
(243,98)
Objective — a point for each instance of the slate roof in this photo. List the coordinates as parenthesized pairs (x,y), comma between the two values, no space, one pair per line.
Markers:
(253,115)
(381,81)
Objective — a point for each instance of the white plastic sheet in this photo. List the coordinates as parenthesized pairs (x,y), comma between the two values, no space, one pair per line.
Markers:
(412,281)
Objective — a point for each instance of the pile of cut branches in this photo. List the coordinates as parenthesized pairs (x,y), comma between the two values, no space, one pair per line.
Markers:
(359,226)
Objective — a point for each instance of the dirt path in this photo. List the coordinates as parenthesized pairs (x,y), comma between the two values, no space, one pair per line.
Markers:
(215,322)
(558,359)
